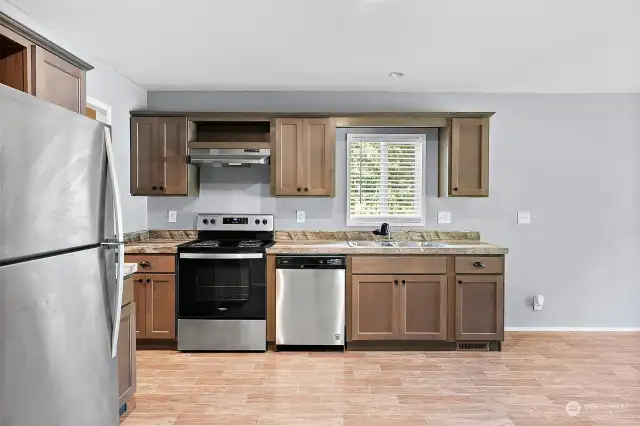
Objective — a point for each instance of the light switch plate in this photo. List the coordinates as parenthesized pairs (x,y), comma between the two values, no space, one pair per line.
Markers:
(524,217)
(444,217)
(173,216)
(300,216)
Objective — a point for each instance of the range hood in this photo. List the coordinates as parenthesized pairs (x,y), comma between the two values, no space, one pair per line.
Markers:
(228,157)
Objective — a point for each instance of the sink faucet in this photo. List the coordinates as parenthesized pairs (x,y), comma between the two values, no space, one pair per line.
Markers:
(385,231)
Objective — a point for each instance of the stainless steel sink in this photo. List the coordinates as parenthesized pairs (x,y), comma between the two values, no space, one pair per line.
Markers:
(392,243)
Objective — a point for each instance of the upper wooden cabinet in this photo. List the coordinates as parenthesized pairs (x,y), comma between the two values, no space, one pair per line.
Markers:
(57,81)
(479,307)
(159,161)
(464,158)
(303,157)
(32,64)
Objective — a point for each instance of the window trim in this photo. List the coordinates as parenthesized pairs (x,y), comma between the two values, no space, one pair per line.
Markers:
(382,137)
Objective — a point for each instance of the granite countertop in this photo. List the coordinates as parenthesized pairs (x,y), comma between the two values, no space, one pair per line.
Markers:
(130,269)
(154,246)
(342,247)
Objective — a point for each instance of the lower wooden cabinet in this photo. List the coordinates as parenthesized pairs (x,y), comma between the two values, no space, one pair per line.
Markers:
(479,307)
(423,307)
(406,307)
(127,354)
(156,306)
(375,311)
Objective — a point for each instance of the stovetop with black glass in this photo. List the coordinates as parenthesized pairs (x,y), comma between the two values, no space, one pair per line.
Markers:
(231,234)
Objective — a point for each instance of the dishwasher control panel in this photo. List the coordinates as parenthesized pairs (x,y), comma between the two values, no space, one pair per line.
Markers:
(310,262)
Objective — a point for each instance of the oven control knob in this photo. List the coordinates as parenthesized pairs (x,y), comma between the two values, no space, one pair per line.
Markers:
(205,221)
(257,221)
(213,221)
(264,221)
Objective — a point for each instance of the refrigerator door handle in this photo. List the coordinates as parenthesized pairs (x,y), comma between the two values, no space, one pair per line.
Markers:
(117,244)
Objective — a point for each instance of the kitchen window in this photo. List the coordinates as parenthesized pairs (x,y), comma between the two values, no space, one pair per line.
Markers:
(385,179)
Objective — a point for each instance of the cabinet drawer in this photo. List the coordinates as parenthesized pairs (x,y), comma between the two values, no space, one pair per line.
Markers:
(479,265)
(127,293)
(400,264)
(149,263)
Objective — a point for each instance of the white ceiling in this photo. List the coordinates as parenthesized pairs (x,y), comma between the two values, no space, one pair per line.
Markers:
(440,45)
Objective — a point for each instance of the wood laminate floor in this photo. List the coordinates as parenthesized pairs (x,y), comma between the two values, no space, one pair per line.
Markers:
(529,383)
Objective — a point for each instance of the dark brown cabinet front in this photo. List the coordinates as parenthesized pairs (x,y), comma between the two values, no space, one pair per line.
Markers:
(159,161)
(127,353)
(304,157)
(57,81)
(479,307)
(374,307)
(469,157)
(155,312)
(423,300)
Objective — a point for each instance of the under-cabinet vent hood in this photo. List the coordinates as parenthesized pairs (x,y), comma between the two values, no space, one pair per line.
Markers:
(228,157)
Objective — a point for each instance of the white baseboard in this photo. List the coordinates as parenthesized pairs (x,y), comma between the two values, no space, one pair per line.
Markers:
(577,329)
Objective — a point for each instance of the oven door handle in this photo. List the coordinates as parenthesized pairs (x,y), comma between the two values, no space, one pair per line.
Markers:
(221,256)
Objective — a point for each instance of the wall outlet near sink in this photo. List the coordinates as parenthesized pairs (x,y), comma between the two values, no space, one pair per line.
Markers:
(300,216)
(444,217)
(173,216)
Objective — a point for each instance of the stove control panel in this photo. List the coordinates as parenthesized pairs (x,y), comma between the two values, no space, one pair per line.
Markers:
(234,222)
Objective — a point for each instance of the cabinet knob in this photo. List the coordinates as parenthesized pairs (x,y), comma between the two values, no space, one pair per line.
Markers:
(148,280)
(459,281)
(478,265)
(299,189)
(145,264)
(395,282)
(162,188)
(404,282)
(140,280)
(306,189)
(455,189)
(154,187)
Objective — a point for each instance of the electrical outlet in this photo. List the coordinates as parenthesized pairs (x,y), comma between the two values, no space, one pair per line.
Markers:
(300,216)
(444,217)
(173,216)
(524,218)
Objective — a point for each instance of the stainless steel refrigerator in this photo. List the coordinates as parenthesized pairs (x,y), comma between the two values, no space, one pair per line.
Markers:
(61,268)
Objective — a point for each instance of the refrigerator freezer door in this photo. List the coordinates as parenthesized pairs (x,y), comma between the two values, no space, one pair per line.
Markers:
(52,177)
(55,328)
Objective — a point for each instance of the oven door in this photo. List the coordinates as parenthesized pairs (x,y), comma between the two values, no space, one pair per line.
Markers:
(222,286)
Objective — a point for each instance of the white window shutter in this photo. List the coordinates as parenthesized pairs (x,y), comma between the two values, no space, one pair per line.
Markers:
(385,179)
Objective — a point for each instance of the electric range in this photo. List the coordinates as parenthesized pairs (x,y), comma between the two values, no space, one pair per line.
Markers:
(222,290)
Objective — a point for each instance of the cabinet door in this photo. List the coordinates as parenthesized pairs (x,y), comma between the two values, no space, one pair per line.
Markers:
(469,157)
(423,307)
(161,306)
(144,146)
(140,299)
(374,307)
(127,353)
(171,158)
(479,307)
(317,156)
(287,166)
(57,81)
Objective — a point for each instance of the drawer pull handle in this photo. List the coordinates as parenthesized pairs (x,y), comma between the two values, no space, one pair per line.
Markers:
(145,264)
(478,265)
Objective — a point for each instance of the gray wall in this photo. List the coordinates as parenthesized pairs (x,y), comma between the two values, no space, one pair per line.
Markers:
(569,159)
(107,86)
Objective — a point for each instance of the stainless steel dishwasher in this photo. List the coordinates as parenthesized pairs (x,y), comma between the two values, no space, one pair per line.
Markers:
(310,300)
